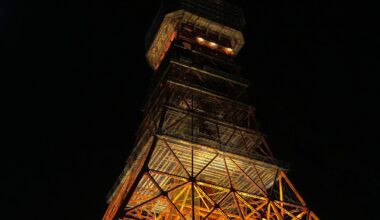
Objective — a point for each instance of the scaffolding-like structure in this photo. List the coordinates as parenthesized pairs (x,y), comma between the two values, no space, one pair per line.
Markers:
(198,154)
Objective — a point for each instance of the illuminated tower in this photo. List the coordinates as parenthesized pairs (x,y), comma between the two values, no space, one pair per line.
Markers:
(197,153)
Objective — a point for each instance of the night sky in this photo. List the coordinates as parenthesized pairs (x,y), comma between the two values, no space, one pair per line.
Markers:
(81,80)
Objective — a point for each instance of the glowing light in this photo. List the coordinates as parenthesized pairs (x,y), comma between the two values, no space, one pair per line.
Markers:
(200,40)
(229,49)
(212,44)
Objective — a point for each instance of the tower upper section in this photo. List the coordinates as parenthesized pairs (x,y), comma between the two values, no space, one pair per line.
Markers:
(211,26)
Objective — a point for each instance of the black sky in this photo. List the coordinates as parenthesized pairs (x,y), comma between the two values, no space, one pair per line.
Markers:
(81,81)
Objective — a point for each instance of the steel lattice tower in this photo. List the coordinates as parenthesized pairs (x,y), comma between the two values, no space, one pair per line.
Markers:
(197,153)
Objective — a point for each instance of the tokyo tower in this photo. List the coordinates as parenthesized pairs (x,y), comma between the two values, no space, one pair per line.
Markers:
(198,154)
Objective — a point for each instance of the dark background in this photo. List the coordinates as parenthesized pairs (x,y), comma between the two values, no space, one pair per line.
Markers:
(80,78)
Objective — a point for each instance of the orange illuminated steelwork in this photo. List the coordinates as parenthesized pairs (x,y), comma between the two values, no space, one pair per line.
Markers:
(198,154)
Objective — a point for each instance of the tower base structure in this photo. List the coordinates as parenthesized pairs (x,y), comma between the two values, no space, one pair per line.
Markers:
(182,180)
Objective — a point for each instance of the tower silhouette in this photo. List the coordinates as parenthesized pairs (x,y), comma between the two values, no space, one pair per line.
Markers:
(198,154)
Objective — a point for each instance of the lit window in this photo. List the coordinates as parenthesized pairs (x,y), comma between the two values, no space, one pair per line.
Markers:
(212,44)
(229,50)
(200,40)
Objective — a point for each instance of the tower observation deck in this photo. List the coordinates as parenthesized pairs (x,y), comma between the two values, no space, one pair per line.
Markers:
(198,154)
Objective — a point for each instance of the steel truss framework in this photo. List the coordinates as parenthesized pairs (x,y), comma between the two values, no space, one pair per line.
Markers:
(202,161)
(197,153)
(184,181)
